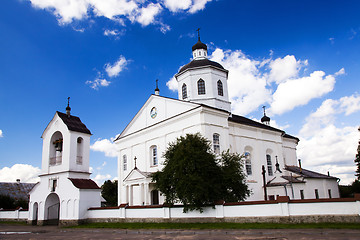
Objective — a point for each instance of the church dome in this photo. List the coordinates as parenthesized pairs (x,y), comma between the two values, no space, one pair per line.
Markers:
(199,45)
(265,119)
(200,63)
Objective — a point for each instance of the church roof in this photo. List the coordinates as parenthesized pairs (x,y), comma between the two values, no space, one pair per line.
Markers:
(16,190)
(307,173)
(249,122)
(84,183)
(73,123)
(201,63)
(199,45)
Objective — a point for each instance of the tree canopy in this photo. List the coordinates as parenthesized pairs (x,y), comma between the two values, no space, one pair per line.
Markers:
(109,191)
(194,176)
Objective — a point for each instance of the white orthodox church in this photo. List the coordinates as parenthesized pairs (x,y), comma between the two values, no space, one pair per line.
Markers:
(203,107)
(65,191)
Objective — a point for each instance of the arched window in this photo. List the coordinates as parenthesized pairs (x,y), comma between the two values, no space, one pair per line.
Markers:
(247,156)
(216,143)
(56,148)
(79,151)
(124,162)
(201,87)
(184,91)
(269,164)
(220,88)
(154,156)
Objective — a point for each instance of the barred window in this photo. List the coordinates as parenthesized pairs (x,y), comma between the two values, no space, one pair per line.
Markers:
(184,91)
(216,143)
(124,162)
(248,163)
(220,88)
(201,87)
(154,157)
(269,164)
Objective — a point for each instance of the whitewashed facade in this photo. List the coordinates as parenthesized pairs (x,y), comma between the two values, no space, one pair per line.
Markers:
(203,106)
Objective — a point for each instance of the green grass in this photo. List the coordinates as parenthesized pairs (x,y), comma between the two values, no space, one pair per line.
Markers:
(13,222)
(223,225)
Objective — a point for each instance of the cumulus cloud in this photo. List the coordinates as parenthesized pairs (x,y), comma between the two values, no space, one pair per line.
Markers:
(106,146)
(114,69)
(172,84)
(326,147)
(143,12)
(98,82)
(100,179)
(1,133)
(26,173)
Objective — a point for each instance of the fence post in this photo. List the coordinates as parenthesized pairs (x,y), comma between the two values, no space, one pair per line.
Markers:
(219,209)
(357,199)
(166,212)
(283,201)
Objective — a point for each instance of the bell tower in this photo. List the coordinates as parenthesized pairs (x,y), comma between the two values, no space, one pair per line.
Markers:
(66,145)
(203,81)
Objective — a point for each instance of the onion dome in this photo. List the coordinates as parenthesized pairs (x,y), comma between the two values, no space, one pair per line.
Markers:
(199,45)
(265,119)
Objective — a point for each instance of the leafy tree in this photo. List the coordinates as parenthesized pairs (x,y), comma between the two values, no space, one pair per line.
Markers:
(193,175)
(109,191)
(7,202)
(233,178)
(357,161)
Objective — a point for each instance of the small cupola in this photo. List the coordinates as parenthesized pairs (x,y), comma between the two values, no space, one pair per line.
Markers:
(68,108)
(199,50)
(265,119)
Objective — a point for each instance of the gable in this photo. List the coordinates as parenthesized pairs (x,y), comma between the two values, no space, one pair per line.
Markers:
(136,174)
(156,109)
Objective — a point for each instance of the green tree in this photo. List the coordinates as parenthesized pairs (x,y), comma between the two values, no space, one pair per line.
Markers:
(193,175)
(109,191)
(7,202)
(357,161)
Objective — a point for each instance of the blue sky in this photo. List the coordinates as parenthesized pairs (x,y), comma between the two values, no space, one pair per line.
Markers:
(298,58)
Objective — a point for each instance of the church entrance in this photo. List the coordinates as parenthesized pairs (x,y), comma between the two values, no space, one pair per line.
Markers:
(154,197)
(52,209)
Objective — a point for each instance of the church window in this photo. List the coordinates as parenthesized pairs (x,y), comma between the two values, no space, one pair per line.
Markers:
(184,91)
(216,143)
(302,194)
(79,151)
(329,191)
(269,164)
(220,88)
(316,193)
(248,163)
(201,87)
(154,155)
(124,162)
(199,53)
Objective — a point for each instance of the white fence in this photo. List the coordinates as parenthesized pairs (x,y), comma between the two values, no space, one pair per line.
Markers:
(281,210)
(320,210)
(18,215)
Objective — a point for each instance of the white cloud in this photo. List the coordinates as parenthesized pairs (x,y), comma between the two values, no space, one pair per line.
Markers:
(172,84)
(113,33)
(143,12)
(26,173)
(176,5)
(285,68)
(1,133)
(105,146)
(147,14)
(325,147)
(300,91)
(100,179)
(98,82)
(117,67)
